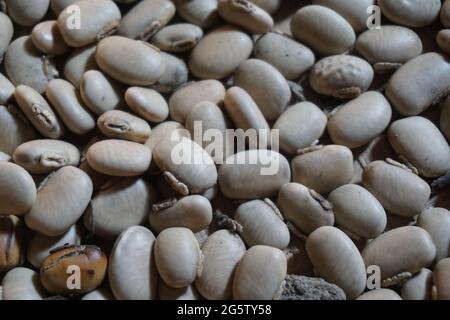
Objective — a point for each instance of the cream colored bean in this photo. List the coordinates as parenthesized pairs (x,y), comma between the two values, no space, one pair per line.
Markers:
(441,288)
(59,5)
(119,158)
(183,100)
(37,110)
(411,13)
(358,211)
(265,85)
(61,200)
(123,125)
(389,48)
(420,83)
(40,245)
(445,119)
(46,155)
(336,259)
(6,34)
(26,13)
(418,287)
(304,207)
(147,103)
(66,101)
(14,129)
(262,224)
(263,176)
(179,37)
(220,53)
(200,12)
(380,294)
(360,121)
(17,189)
(132,271)
(221,254)
(300,126)
(177,256)
(354,11)
(78,62)
(166,131)
(404,249)
(6,90)
(259,274)
(94,82)
(193,212)
(25,65)
(22,284)
(166,292)
(422,144)
(98,19)
(271,6)
(120,204)
(324,169)
(245,14)
(175,74)
(4,157)
(186,165)
(437,222)
(146,18)
(290,57)
(47,38)
(398,190)
(323,30)
(341,76)
(443,40)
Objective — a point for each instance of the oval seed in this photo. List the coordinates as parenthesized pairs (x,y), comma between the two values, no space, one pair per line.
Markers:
(147,103)
(411,13)
(175,74)
(200,12)
(259,274)
(97,19)
(300,126)
(336,259)
(360,121)
(45,155)
(11,242)
(40,245)
(119,158)
(418,287)
(120,204)
(221,253)
(6,35)
(61,200)
(183,100)
(22,284)
(177,256)
(290,57)
(193,212)
(4,157)
(14,129)
(420,83)
(265,85)
(26,65)
(37,110)
(47,38)
(324,169)
(389,47)
(123,125)
(262,224)
(323,30)
(6,90)
(66,101)
(90,260)
(59,5)
(443,40)
(17,189)
(78,62)
(146,18)
(245,14)
(271,6)
(120,64)
(304,207)
(25,13)
(132,271)
(341,76)
(220,53)
(253,174)
(358,211)
(380,294)
(437,222)
(178,37)
(440,278)
(422,144)
(166,131)
(404,249)
(399,191)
